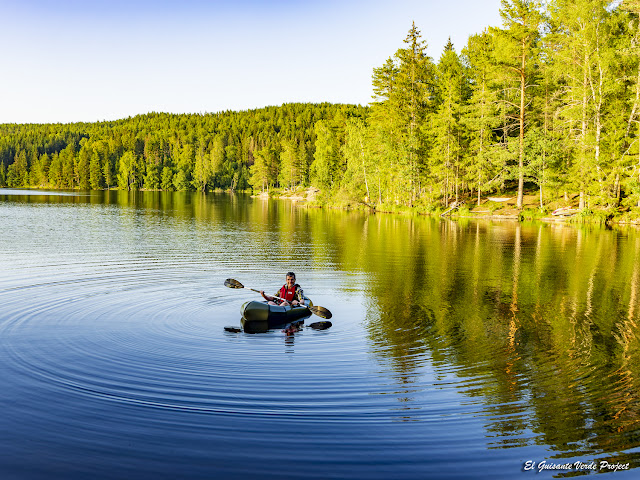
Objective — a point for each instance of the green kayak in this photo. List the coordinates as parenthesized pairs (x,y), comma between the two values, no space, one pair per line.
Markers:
(258,317)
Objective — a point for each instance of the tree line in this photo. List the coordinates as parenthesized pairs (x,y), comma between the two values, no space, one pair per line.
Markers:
(160,151)
(550,101)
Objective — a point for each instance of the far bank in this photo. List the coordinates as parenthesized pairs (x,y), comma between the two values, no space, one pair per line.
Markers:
(563,208)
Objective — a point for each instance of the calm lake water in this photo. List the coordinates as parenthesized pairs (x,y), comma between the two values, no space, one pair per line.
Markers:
(458,349)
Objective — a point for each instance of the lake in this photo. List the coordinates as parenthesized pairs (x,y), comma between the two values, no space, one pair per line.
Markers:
(459,349)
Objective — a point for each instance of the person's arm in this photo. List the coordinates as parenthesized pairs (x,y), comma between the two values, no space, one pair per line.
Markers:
(266,297)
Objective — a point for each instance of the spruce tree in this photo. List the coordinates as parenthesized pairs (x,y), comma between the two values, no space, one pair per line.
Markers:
(95,172)
(289,164)
(385,130)
(324,169)
(128,171)
(18,173)
(356,151)
(259,171)
(481,114)
(446,128)
(83,172)
(412,90)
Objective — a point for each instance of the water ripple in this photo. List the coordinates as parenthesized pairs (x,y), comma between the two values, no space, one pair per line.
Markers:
(115,362)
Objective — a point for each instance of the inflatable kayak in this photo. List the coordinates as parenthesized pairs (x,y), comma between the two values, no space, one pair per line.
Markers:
(258,317)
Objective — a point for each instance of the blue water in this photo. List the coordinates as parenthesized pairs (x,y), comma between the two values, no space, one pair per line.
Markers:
(114,361)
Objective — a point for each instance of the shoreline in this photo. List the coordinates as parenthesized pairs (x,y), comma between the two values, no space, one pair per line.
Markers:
(507,210)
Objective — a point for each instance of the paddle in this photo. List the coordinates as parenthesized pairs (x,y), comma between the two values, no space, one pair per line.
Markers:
(316,310)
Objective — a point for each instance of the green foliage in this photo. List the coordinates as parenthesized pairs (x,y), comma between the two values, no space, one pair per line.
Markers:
(517,54)
(551,100)
(82,167)
(544,154)
(481,116)
(40,170)
(55,171)
(324,169)
(529,214)
(290,165)
(167,178)
(404,90)
(446,127)
(17,173)
(357,153)
(261,177)
(128,175)
(166,151)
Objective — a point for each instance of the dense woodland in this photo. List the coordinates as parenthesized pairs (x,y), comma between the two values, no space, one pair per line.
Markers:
(548,102)
(170,152)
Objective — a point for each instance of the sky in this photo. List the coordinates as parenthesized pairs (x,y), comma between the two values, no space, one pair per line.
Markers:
(91,60)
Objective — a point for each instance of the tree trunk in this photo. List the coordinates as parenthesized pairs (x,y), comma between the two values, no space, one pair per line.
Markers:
(521,136)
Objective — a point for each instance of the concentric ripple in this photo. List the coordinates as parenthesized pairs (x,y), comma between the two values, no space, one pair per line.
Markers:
(116,364)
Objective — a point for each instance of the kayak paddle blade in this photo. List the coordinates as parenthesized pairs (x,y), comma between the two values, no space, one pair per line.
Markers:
(231,283)
(320,311)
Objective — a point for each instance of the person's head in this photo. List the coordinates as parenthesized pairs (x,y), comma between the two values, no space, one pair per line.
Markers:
(291,279)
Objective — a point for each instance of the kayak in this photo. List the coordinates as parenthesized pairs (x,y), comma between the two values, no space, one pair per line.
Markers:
(258,317)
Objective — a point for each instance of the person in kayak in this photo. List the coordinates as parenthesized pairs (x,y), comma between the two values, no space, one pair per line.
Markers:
(290,292)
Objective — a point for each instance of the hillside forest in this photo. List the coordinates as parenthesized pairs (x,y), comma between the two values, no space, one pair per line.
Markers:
(546,103)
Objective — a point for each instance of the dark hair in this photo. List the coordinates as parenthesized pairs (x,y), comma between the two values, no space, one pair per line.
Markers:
(291,274)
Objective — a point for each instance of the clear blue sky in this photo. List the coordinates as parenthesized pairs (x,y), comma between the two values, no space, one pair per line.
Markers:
(84,60)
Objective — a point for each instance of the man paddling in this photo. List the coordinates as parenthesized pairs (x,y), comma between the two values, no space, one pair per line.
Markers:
(290,292)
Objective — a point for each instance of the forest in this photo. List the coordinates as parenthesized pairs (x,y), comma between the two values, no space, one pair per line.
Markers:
(546,103)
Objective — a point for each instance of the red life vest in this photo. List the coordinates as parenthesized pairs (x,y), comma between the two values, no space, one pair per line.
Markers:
(287,294)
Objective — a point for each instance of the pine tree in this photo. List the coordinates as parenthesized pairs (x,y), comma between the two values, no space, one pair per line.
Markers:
(305,160)
(517,52)
(585,64)
(632,50)
(32,161)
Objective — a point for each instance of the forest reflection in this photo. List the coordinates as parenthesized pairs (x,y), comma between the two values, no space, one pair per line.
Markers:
(537,322)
